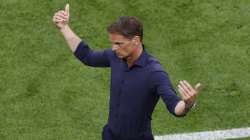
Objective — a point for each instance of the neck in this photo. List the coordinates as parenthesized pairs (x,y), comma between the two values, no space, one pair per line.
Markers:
(134,56)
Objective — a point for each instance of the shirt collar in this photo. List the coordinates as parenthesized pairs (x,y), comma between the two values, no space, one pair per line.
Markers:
(142,60)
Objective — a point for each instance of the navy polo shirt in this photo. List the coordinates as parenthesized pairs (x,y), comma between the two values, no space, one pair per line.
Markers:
(134,91)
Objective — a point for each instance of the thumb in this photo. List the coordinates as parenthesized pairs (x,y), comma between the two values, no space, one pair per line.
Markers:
(198,86)
(67,8)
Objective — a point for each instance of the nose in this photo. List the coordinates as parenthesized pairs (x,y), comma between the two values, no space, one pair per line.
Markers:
(114,47)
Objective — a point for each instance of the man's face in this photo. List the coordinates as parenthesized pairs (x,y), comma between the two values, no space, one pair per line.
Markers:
(122,46)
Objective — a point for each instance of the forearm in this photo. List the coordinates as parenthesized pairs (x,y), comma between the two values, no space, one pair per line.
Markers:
(71,38)
(181,108)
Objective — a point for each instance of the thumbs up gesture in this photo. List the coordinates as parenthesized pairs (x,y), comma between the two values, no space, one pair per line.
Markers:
(61,18)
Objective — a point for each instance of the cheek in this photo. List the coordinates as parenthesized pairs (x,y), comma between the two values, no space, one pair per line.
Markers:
(128,50)
(122,50)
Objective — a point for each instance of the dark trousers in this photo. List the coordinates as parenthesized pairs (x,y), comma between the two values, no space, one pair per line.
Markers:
(107,134)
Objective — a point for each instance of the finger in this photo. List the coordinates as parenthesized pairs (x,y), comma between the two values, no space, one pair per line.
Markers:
(190,88)
(185,88)
(65,13)
(198,86)
(59,20)
(183,92)
(188,85)
(67,8)
(60,17)
(61,14)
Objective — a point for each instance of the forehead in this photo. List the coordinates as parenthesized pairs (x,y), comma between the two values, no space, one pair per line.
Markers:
(117,37)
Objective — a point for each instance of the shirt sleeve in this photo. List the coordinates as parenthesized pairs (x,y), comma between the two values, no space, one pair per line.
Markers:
(165,90)
(90,57)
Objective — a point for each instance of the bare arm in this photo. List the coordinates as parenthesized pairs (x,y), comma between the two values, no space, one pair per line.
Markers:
(71,38)
(61,20)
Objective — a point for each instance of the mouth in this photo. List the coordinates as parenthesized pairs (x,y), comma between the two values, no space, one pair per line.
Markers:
(118,55)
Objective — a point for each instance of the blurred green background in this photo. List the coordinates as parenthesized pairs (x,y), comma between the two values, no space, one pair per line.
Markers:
(46,93)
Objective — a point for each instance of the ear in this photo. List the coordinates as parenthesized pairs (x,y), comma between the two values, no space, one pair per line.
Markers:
(136,40)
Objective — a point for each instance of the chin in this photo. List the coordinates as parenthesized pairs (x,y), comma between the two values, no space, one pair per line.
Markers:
(120,56)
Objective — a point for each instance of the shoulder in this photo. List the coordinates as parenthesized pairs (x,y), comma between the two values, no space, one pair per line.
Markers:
(154,65)
(111,55)
(108,52)
(156,70)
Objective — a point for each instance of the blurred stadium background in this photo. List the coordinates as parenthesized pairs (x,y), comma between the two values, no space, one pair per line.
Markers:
(45,93)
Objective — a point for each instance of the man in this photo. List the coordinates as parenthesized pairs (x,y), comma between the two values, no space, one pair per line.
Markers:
(137,79)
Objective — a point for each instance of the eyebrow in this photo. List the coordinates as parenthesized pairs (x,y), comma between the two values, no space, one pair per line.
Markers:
(118,43)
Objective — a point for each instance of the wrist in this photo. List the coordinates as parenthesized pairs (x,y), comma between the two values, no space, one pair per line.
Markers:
(189,105)
(64,28)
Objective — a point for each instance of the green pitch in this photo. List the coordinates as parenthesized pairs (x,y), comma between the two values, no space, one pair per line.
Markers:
(248,138)
(45,93)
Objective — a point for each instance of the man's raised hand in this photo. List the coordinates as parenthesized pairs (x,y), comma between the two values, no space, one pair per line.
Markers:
(188,92)
(61,18)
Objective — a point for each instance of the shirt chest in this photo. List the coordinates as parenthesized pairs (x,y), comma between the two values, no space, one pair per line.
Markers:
(130,85)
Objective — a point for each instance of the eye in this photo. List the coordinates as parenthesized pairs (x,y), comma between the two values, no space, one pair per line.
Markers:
(118,43)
